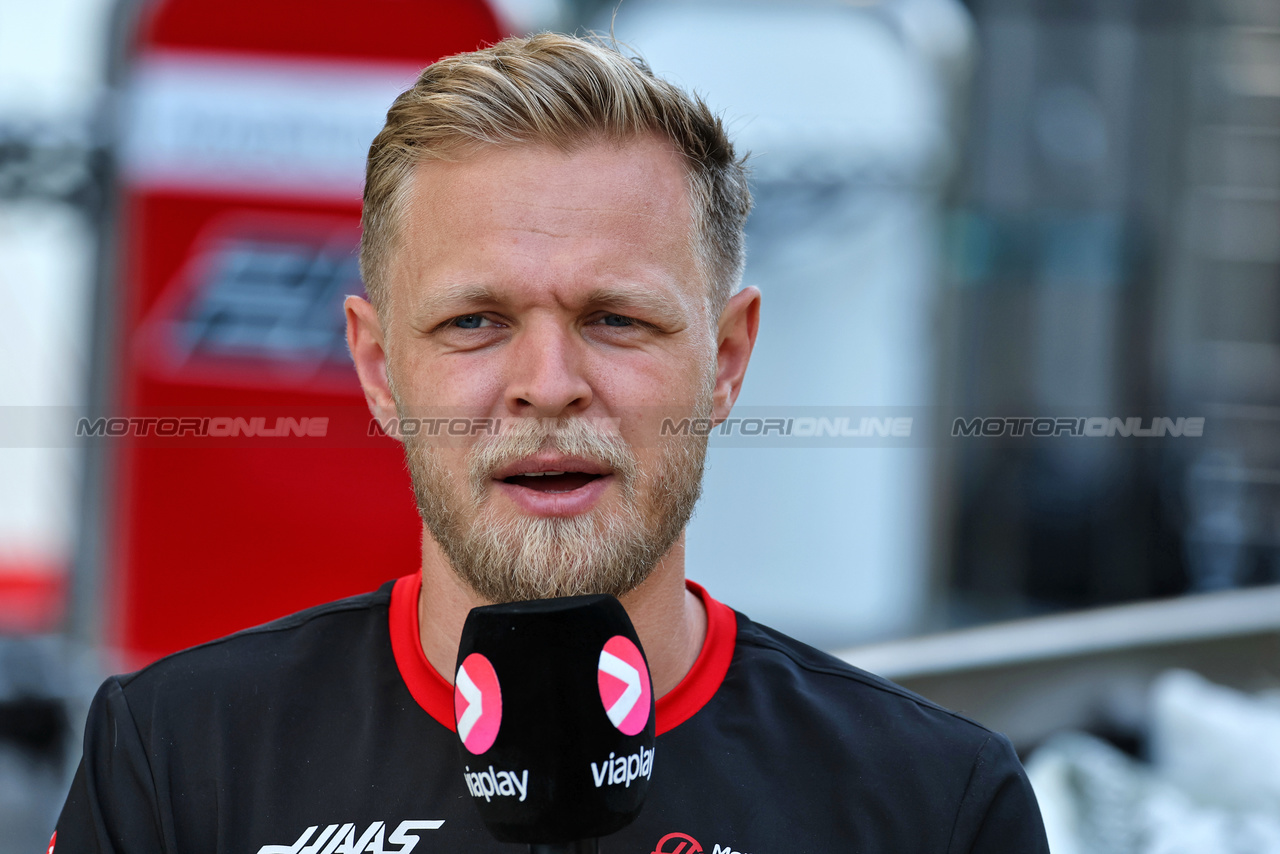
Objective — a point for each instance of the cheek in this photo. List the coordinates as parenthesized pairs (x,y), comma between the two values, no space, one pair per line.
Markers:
(648,425)
(673,379)
(448,386)
(443,460)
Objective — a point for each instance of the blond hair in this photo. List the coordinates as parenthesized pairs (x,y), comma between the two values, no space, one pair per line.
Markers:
(561,91)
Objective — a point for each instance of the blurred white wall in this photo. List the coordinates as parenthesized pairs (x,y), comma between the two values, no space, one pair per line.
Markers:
(45,272)
(52,60)
(846,111)
(52,56)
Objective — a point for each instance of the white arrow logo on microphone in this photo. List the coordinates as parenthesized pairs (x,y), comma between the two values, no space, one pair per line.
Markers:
(475,703)
(616,667)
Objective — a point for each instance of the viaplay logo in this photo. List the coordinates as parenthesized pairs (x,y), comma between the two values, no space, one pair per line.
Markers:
(477,703)
(623,679)
(677,843)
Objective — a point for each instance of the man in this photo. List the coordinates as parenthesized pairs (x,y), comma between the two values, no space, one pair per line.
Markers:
(552,250)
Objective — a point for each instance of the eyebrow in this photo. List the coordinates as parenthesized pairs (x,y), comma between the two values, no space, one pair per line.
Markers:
(455,297)
(460,294)
(652,301)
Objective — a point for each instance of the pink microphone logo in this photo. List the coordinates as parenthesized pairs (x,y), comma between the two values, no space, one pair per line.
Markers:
(623,678)
(477,703)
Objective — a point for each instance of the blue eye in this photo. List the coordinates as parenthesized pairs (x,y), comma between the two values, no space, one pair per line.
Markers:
(469,321)
(616,320)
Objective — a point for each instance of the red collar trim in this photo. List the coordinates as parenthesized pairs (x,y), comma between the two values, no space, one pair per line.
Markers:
(702,681)
(427,686)
(435,695)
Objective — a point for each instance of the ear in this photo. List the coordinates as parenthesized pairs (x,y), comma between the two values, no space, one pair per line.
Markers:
(368,350)
(735,338)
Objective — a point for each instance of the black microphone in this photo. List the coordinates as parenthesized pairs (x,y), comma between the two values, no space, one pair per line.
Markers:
(555,718)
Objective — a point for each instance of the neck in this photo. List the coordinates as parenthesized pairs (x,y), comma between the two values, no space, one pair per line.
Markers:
(670,620)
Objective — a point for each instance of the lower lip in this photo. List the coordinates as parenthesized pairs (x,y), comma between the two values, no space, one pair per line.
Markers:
(570,503)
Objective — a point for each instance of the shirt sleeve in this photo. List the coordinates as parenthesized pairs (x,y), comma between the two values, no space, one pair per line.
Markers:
(112,806)
(998,813)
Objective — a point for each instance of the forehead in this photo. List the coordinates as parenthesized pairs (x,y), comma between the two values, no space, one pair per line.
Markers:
(604,214)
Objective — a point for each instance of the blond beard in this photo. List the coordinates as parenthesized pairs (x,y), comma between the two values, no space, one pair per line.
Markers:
(523,558)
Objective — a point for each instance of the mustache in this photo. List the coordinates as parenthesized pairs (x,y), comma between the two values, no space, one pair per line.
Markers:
(595,439)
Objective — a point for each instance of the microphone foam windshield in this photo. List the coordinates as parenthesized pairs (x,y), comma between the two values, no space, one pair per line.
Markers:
(555,717)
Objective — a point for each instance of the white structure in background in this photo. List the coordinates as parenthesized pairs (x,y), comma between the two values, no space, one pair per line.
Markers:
(847,113)
(530,16)
(45,273)
(52,59)
(1212,786)
(52,55)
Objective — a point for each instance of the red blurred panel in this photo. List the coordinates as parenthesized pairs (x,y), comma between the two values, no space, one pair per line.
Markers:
(213,536)
(32,596)
(415,31)
(249,534)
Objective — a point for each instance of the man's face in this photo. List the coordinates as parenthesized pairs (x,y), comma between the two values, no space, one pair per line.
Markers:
(558,293)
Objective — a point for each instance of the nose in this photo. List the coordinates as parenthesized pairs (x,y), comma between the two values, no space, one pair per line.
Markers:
(546,376)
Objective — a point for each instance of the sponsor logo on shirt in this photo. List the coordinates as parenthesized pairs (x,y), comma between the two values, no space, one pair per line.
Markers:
(677,843)
(342,839)
(623,770)
(683,843)
(502,784)
(52,840)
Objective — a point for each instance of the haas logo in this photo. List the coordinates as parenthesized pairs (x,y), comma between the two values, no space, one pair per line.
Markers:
(677,843)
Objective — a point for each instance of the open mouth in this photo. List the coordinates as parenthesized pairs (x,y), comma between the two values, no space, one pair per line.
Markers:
(552,481)
(554,484)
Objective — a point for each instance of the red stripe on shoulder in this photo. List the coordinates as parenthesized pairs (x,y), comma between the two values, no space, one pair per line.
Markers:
(427,686)
(702,681)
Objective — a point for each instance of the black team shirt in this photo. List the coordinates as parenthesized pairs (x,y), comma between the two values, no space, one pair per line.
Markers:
(328,732)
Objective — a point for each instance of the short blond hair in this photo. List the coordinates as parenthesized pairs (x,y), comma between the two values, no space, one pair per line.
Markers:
(566,92)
